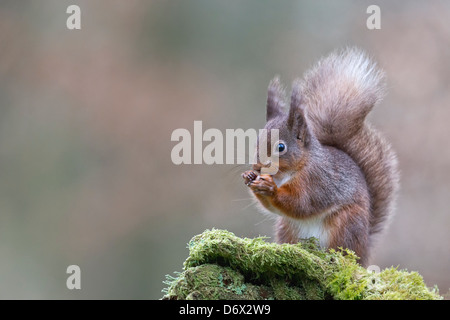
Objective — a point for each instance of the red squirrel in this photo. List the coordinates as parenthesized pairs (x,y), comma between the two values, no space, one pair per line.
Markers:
(337,176)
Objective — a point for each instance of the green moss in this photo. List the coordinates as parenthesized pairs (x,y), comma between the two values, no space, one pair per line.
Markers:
(210,281)
(223,266)
(392,284)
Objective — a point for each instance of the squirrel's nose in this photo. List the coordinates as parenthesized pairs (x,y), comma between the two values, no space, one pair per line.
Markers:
(257,167)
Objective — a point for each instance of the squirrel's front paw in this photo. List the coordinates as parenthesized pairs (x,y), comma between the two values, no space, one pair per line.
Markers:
(264,185)
(249,176)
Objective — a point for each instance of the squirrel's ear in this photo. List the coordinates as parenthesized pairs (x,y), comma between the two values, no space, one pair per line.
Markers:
(297,116)
(303,133)
(275,99)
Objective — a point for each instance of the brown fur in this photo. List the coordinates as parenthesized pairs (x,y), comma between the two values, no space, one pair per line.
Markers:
(286,232)
(350,229)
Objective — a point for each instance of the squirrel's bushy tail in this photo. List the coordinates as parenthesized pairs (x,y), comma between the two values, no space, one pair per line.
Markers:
(338,93)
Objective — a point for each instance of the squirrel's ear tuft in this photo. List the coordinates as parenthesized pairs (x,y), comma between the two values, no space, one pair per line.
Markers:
(275,99)
(297,115)
(303,133)
(296,102)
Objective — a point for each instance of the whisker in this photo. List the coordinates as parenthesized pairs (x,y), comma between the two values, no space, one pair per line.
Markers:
(242,199)
(249,205)
(237,170)
(266,218)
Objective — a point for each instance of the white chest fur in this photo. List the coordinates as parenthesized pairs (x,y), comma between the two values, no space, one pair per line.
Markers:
(282,179)
(313,227)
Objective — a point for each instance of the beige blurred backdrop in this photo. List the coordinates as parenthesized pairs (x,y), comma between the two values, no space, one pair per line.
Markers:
(86,118)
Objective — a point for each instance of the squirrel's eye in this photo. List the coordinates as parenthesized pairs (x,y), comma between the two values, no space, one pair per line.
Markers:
(280,147)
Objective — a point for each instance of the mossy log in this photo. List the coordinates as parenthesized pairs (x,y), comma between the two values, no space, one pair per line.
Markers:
(223,266)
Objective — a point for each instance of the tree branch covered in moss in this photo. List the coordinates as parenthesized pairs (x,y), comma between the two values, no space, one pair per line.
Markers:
(223,266)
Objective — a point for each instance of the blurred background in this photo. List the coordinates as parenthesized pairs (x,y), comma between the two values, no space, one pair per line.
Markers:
(86,119)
